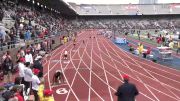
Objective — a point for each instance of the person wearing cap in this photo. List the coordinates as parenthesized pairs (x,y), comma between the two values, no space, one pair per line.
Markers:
(21,67)
(38,65)
(28,57)
(35,84)
(48,95)
(127,91)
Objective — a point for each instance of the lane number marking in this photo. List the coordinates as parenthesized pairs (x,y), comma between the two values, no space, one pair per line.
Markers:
(61,91)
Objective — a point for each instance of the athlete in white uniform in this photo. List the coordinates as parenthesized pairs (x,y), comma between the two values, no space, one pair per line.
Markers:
(65,55)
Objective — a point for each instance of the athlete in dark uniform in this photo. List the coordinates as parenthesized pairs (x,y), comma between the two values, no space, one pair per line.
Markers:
(127,91)
(58,76)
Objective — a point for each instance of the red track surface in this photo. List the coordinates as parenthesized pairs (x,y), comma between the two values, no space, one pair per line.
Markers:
(95,71)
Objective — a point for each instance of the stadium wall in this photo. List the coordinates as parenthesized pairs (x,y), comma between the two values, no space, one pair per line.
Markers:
(128,16)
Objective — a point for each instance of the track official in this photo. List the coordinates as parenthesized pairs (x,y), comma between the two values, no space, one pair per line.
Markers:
(127,91)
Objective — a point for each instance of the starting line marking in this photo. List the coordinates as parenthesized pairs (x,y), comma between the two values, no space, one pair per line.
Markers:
(59,85)
(73,50)
(66,62)
(55,60)
(83,69)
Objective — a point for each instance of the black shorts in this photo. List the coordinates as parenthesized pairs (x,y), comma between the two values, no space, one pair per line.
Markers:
(5,72)
(65,55)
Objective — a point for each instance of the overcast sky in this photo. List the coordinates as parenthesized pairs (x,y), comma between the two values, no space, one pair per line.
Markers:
(116,1)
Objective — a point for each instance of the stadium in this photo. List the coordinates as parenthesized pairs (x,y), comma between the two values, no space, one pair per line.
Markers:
(90,50)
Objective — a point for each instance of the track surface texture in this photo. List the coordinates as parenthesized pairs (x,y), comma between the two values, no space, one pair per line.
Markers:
(94,71)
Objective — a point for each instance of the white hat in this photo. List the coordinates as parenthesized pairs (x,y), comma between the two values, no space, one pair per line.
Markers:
(38,57)
(58,71)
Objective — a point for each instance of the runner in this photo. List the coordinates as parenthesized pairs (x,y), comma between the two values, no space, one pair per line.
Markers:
(65,55)
(65,40)
(74,41)
(74,44)
(58,76)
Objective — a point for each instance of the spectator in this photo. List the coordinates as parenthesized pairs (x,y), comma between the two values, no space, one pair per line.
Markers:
(38,65)
(178,47)
(22,53)
(28,57)
(2,38)
(17,90)
(18,56)
(6,55)
(127,91)
(35,84)
(27,35)
(18,82)
(7,69)
(2,35)
(21,68)
(28,77)
(48,95)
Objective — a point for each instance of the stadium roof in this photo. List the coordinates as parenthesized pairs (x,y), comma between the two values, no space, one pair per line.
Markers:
(116,1)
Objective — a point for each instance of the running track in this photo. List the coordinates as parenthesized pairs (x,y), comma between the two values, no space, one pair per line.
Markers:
(95,71)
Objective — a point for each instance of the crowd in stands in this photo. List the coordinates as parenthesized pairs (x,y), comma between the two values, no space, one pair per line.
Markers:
(29,23)
(28,75)
(142,24)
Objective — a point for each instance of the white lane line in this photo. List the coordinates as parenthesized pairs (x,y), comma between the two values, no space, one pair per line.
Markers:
(53,65)
(89,97)
(114,77)
(136,79)
(54,51)
(149,70)
(52,55)
(132,72)
(161,69)
(161,76)
(71,90)
(158,68)
(135,74)
(87,82)
(56,62)
(143,74)
(165,76)
(74,76)
(162,82)
(104,71)
(127,56)
(138,65)
(73,68)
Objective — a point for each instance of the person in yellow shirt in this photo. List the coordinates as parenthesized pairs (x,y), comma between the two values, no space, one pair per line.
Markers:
(65,39)
(178,47)
(140,48)
(48,95)
(171,44)
(40,92)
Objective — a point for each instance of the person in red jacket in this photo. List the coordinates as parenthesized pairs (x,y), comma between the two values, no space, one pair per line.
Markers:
(17,92)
